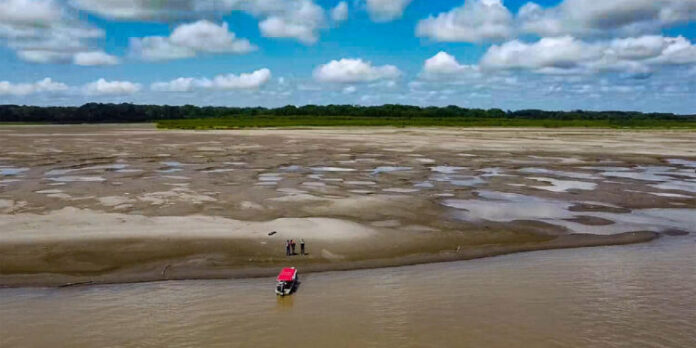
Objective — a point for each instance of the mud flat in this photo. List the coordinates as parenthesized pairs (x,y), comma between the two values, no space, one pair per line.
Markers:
(124,203)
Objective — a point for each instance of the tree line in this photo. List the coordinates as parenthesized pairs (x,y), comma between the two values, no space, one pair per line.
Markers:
(117,113)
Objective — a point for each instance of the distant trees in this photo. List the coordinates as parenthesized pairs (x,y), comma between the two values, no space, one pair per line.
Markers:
(107,113)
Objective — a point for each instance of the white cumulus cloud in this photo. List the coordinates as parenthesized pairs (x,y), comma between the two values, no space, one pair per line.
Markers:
(443,65)
(43,31)
(349,70)
(475,21)
(187,40)
(205,36)
(562,52)
(605,18)
(340,12)
(181,84)
(92,58)
(20,89)
(567,54)
(29,11)
(296,19)
(104,87)
(244,81)
(386,10)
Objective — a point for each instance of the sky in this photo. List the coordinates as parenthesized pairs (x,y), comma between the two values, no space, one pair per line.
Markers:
(550,54)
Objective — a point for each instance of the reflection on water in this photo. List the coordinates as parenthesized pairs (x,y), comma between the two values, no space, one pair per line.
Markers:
(510,207)
(631,296)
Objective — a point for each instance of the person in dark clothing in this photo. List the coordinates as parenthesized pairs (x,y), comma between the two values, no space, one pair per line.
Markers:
(287,247)
(302,252)
(292,245)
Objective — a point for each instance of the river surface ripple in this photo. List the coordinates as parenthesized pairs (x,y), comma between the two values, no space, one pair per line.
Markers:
(622,296)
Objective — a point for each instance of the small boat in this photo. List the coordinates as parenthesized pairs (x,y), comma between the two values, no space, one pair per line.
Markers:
(286,282)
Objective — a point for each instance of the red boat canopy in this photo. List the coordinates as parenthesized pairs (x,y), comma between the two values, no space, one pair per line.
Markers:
(287,275)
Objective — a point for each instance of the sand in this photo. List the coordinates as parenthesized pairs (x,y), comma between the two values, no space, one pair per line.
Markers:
(121,203)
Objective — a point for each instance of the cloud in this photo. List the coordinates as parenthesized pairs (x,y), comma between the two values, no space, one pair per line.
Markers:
(562,55)
(340,12)
(41,31)
(280,27)
(181,84)
(29,12)
(475,21)
(297,19)
(94,58)
(244,81)
(205,36)
(443,65)
(349,70)
(21,89)
(583,18)
(44,56)
(154,48)
(136,9)
(104,87)
(189,39)
(386,10)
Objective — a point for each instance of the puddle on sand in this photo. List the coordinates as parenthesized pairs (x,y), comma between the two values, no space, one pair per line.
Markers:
(564,185)
(270,177)
(544,171)
(669,195)
(332,169)
(658,174)
(170,170)
(446,169)
(11,171)
(119,168)
(363,192)
(388,169)
(48,192)
(360,183)
(457,180)
(689,186)
(401,190)
(682,162)
(78,179)
(9,181)
(509,207)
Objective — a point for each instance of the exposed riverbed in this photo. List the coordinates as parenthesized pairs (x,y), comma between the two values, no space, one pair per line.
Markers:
(126,203)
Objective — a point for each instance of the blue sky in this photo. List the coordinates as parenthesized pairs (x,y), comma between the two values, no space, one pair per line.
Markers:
(550,54)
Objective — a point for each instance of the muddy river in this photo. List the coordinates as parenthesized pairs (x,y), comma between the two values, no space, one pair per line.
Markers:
(641,295)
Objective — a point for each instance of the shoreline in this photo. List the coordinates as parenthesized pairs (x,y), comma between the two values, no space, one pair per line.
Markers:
(128,203)
(163,271)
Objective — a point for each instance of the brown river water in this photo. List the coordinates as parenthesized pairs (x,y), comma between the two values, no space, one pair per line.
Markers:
(623,296)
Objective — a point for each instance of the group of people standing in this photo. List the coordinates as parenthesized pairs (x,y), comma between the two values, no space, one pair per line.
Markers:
(290,247)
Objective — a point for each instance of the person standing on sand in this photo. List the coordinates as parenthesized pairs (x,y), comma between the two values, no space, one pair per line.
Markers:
(287,247)
(302,246)
(292,245)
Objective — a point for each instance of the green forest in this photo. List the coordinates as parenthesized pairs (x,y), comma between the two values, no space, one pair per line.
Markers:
(194,117)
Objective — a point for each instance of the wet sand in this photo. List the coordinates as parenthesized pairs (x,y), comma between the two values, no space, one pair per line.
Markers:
(125,203)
